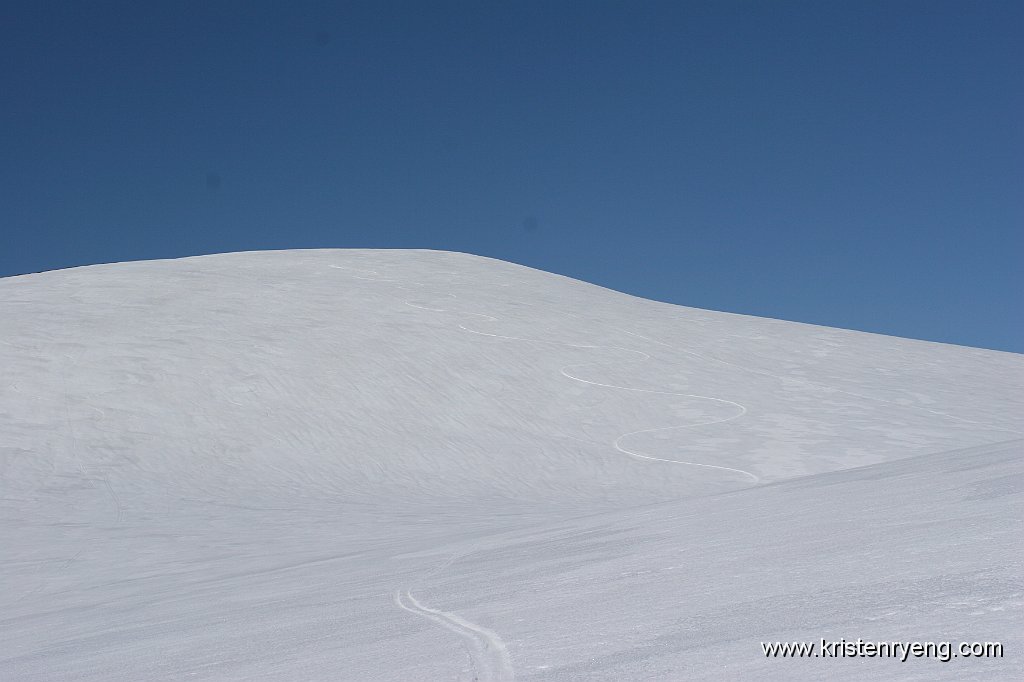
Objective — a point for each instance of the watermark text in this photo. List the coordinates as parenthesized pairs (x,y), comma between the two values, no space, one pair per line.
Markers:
(904,651)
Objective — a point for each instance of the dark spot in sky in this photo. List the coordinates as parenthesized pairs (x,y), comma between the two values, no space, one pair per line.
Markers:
(531,224)
(323,37)
(213,181)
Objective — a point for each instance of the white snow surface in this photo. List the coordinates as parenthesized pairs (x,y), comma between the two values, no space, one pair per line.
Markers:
(420,465)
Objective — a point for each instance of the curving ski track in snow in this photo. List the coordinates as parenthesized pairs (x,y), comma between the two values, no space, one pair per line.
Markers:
(617,443)
(487,650)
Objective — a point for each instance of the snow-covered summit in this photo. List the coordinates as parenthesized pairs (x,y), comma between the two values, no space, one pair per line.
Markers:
(341,464)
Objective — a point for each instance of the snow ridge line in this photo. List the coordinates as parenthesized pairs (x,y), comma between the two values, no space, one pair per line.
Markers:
(488,652)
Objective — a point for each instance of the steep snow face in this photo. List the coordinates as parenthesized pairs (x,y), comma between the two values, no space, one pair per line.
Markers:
(387,465)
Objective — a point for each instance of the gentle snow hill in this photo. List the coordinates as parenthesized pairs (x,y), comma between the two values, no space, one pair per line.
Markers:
(418,465)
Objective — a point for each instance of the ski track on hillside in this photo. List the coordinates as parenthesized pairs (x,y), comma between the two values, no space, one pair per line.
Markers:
(617,443)
(488,653)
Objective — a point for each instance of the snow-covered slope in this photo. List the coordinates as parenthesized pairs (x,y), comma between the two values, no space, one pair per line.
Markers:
(405,465)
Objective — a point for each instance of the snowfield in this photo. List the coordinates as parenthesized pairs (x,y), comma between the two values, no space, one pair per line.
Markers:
(418,465)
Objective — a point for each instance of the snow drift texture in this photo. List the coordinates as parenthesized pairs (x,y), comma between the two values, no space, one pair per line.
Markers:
(407,465)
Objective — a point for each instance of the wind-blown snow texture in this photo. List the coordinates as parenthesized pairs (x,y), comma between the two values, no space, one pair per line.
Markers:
(414,465)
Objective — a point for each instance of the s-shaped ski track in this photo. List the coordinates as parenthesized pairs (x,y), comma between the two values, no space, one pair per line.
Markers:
(487,650)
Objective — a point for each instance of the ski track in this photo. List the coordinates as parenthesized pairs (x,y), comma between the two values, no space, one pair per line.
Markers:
(645,356)
(488,652)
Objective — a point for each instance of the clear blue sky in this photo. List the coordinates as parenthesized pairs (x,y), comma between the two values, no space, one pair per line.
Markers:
(856,164)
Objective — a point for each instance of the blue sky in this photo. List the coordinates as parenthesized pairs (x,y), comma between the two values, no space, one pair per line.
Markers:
(854,164)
